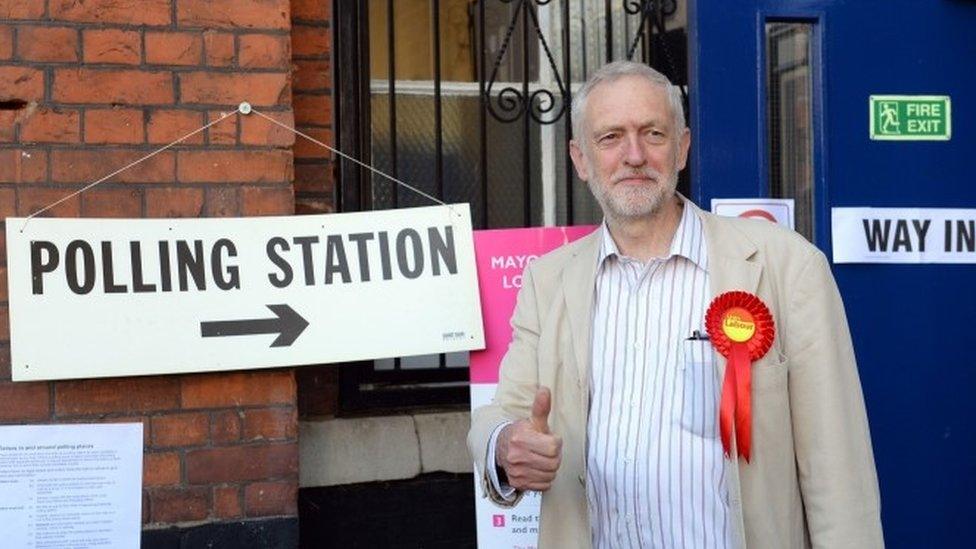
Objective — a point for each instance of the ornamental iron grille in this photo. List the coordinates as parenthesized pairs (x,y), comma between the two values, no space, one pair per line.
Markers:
(469,101)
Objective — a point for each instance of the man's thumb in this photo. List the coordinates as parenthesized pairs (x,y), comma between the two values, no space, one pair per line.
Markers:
(540,409)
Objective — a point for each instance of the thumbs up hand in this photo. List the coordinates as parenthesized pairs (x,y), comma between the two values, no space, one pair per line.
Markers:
(527,451)
(540,410)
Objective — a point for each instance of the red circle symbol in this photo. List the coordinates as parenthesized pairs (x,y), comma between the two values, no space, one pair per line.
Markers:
(758,213)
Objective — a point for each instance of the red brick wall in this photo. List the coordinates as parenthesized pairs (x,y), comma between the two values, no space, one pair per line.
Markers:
(86,87)
(318,386)
(311,42)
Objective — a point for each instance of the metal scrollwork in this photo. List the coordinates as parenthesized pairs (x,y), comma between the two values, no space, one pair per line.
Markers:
(665,7)
(542,107)
(511,104)
(652,13)
(648,10)
(633,8)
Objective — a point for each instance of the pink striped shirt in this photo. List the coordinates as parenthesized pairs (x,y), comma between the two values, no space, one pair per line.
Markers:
(655,469)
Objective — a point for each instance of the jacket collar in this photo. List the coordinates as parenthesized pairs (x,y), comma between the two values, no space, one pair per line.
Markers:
(730,254)
(685,243)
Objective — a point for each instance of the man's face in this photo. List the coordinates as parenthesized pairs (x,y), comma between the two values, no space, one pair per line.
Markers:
(629,150)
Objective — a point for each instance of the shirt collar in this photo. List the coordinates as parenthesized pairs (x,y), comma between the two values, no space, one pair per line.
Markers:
(687,242)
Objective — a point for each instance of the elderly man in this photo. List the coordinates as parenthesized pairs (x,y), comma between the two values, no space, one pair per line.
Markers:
(652,407)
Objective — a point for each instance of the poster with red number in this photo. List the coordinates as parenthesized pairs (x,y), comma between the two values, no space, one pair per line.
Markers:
(501,256)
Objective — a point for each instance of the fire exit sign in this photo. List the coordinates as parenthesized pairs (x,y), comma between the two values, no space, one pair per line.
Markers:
(911,117)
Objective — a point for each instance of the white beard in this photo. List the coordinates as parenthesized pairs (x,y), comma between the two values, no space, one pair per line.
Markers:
(631,201)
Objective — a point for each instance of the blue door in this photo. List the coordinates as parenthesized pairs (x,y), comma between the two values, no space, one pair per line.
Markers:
(780,107)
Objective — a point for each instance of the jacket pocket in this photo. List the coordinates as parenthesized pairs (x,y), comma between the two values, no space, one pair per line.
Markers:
(770,373)
(698,412)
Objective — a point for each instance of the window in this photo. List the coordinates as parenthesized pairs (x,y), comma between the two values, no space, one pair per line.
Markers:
(468,100)
(789,94)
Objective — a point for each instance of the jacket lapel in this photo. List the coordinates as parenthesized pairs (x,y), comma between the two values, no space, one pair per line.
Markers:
(729,261)
(730,267)
(578,279)
(729,256)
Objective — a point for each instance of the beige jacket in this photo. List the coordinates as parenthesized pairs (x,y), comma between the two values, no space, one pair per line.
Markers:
(812,480)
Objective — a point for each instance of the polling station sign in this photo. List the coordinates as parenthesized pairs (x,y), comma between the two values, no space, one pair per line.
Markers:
(100,297)
(903,235)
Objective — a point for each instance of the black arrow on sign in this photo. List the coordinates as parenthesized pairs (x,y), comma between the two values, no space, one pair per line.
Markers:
(288,325)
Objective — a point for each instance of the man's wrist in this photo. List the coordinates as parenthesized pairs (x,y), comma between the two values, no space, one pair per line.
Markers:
(497,476)
(501,445)
(502,475)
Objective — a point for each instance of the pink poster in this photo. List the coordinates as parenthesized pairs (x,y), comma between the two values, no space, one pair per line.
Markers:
(501,256)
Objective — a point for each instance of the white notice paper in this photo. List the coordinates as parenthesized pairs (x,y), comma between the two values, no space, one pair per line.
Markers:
(510,527)
(776,210)
(903,235)
(75,486)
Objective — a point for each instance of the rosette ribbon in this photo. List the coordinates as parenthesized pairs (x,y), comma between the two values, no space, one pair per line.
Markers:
(741,328)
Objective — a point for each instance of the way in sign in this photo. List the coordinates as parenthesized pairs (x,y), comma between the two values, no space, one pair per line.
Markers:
(909,235)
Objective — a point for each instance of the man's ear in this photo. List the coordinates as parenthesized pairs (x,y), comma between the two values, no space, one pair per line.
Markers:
(579,160)
(684,143)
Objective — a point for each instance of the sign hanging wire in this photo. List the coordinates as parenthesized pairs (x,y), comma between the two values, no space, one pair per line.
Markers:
(244,109)
(124,168)
(344,155)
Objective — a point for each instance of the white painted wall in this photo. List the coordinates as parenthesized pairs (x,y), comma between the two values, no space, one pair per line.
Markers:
(346,451)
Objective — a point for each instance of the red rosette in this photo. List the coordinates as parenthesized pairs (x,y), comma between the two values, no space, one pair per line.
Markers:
(760,342)
(741,329)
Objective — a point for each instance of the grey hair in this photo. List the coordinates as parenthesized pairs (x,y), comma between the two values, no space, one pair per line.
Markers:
(619,69)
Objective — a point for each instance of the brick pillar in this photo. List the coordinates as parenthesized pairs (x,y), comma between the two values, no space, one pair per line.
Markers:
(86,87)
(318,386)
(312,92)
